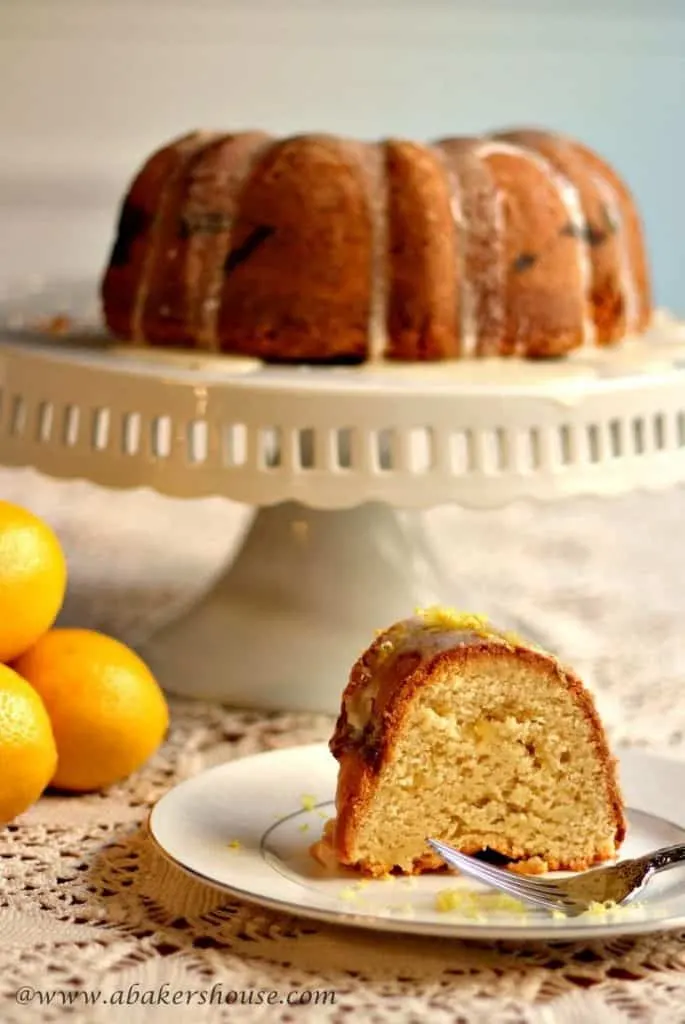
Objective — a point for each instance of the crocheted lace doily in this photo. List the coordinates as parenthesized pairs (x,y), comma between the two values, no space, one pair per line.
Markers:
(87,903)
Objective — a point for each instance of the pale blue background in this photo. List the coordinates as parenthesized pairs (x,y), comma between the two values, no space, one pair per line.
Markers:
(87,87)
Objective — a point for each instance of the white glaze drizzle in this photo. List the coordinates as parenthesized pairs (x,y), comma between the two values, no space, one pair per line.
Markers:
(190,145)
(378,209)
(499,262)
(206,312)
(492,277)
(204,309)
(468,325)
(627,280)
(475,312)
(570,199)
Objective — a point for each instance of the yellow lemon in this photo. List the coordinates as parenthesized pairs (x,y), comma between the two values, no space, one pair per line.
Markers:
(33,579)
(28,755)
(107,711)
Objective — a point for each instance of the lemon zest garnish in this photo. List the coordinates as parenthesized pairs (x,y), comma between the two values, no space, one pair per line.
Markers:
(323,814)
(349,894)
(597,909)
(234,844)
(437,617)
(472,904)
(308,802)
(449,899)
(304,827)
(513,638)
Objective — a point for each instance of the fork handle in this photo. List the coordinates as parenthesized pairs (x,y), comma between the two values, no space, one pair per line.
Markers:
(665,858)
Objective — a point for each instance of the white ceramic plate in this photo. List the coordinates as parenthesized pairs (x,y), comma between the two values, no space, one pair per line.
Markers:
(245,827)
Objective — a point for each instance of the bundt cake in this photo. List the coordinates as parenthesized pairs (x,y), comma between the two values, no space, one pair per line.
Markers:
(452,729)
(319,249)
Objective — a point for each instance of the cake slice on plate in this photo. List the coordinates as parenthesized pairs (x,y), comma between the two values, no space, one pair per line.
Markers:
(453,729)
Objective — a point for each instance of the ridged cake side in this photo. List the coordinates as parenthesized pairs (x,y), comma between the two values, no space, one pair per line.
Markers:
(315,248)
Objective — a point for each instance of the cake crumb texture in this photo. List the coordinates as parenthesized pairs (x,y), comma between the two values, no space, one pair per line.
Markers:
(461,736)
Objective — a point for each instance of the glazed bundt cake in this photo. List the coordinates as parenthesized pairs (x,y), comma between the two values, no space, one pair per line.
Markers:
(454,730)
(314,248)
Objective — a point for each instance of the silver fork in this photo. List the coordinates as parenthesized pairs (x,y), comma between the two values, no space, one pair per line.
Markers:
(618,883)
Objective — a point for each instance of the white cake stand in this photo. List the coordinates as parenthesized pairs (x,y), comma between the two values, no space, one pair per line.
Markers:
(327,455)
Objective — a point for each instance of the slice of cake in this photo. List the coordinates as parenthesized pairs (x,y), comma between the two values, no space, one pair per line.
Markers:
(452,729)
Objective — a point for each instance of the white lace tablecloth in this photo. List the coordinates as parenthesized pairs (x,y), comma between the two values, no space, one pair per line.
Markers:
(87,904)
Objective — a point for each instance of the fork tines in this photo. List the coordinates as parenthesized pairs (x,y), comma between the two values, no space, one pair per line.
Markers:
(539,892)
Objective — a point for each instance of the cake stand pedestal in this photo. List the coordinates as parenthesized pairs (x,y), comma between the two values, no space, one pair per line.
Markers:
(300,601)
(328,456)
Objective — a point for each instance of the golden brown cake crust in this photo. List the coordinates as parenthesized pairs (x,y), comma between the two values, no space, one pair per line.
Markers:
(315,248)
(481,247)
(303,236)
(423,268)
(129,259)
(185,275)
(160,312)
(362,749)
(619,298)
(630,225)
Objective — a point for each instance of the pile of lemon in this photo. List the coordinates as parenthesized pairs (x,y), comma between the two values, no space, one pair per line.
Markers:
(78,710)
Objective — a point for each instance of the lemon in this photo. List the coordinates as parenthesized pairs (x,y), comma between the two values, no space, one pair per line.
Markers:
(28,755)
(33,579)
(108,713)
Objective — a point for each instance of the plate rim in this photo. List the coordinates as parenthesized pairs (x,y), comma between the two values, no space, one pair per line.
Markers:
(398,925)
